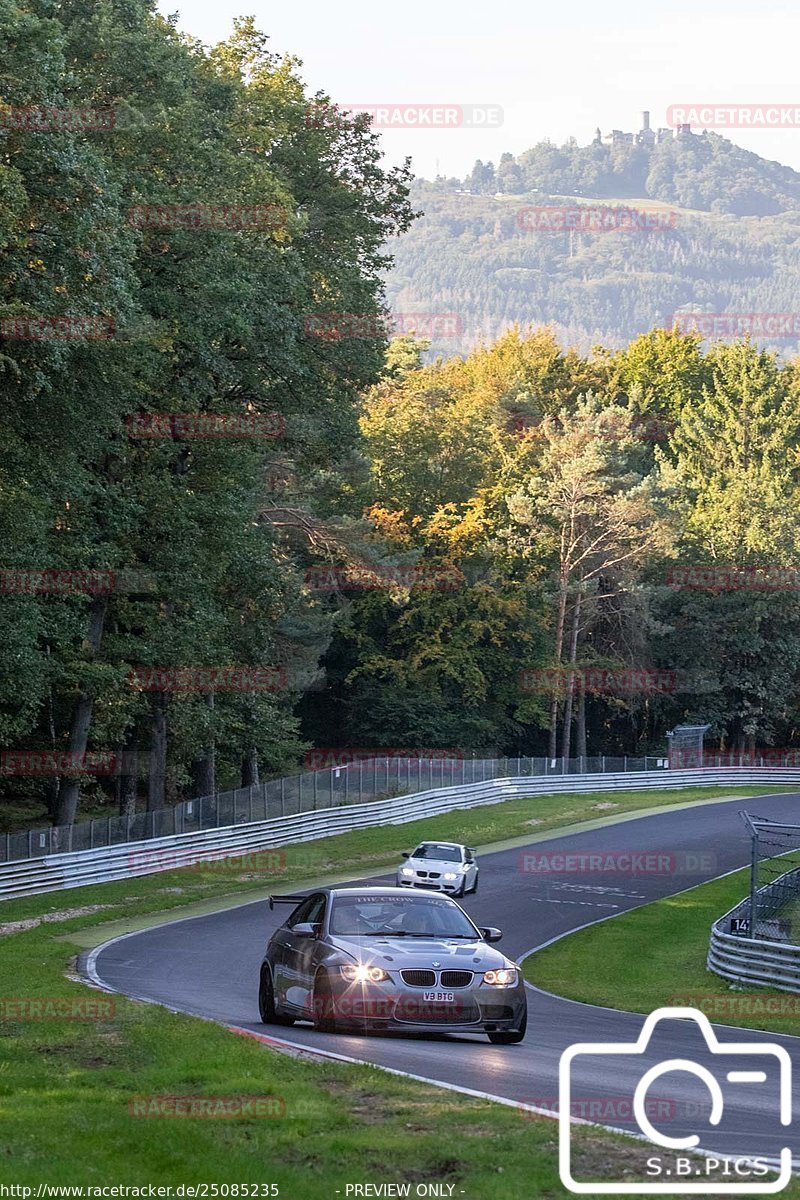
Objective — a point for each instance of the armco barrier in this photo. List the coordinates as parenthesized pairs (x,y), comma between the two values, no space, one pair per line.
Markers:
(28,877)
(759,961)
(349,778)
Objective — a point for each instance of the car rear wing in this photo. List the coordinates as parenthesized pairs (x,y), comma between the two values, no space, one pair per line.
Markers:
(273,900)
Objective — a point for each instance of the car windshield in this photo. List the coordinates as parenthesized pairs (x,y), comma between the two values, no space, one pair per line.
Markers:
(439,852)
(399,916)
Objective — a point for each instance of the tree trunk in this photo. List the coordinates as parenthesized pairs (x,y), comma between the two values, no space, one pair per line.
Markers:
(580,732)
(156,784)
(559,645)
(203,775)
(70,789)
(204,769)
(250,768)
(129,775)
(566,735)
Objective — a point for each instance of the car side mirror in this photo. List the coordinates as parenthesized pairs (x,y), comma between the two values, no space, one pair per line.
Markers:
(304,929)
(490,934)
(405,854)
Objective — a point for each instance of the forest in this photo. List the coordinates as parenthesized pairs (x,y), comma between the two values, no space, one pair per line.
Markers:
(239,520)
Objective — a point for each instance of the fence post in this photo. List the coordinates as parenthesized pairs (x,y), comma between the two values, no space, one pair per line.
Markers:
(603,760)
(625,763)
(91,834)
(360,780)
(315,791)
(753,881)
(283,796)
(250,801)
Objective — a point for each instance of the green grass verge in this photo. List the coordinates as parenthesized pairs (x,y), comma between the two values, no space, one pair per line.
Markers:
(602,964)
(66,1087)
(364,850)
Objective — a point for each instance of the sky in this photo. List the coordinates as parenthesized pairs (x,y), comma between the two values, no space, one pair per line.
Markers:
(537,70)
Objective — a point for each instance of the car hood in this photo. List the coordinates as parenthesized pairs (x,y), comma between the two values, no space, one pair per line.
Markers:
(403,953)
(432,864)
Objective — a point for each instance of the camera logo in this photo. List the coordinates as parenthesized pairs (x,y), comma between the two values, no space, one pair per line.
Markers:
(681,1175)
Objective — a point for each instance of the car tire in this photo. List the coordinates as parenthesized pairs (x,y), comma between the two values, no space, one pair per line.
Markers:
(510,1037)
(462,891)
(474,887)
(266,1001)
(323,1008)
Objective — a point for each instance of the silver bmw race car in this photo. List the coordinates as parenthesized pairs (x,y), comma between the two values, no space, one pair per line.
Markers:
(370,958)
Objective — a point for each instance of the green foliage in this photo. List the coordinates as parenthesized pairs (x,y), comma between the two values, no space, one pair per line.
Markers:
(208,320)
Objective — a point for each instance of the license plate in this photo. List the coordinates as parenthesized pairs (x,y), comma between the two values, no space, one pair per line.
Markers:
(438,997)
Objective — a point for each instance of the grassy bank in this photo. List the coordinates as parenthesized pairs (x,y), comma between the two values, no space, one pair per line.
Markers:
(71,1091)
(365,851)
(602,964)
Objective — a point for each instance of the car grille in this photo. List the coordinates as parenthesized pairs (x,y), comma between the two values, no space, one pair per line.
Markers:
(429,874)
(455,1012)
(418,978)
(456,979)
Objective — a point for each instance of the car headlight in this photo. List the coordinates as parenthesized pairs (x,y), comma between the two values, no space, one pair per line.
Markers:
(361,973)
(503,977)
(450,875)
(406,870)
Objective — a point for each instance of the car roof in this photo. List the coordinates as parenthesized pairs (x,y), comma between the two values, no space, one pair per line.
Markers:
(352,890)
(436,842)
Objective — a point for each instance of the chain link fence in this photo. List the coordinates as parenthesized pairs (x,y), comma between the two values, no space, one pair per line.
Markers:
(331,787)
(772,910)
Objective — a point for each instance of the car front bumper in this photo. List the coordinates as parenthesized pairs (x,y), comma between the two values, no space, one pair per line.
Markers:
(431,885)
(475,1009)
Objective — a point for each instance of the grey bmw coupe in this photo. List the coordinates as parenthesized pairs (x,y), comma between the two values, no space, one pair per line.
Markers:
(369,958)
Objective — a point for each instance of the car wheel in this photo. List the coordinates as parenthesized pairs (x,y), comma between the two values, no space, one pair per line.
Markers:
(266,1002)
(462,890)
(323,1002)
(474,887)
(509,1038)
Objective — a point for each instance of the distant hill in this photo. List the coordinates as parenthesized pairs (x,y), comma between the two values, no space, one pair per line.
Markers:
(730,242)
(700,171)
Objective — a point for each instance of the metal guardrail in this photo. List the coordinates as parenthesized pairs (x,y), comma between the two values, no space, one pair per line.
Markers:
(107,863)
(342,783)
(759,960)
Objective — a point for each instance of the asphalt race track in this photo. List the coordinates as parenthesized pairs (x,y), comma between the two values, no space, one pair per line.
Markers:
(208,966)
